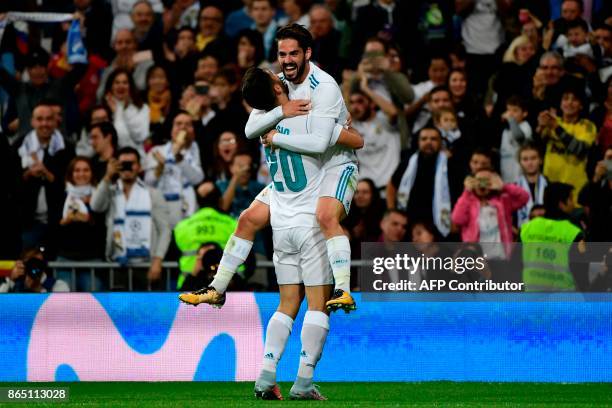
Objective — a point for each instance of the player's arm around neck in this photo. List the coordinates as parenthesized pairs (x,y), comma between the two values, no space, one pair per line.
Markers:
(261,122)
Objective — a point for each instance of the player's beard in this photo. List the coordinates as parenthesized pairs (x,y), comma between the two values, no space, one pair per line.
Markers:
(298,72)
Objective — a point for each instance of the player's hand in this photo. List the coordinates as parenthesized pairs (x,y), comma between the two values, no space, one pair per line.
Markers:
(268,138)
(296,107)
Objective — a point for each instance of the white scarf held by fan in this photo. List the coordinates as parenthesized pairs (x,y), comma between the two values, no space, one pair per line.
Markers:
(31,146)
(441,199)
(132,224)
(74,199)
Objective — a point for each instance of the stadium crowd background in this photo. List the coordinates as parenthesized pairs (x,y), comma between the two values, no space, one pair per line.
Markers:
(515,94)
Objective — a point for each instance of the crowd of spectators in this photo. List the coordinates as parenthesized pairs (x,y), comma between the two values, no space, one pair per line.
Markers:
(468,109)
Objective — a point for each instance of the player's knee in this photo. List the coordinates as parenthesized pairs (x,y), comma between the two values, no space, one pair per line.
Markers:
(327,219)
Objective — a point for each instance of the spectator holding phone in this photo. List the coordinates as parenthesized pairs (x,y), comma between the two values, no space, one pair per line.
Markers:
(394,87)
(483,213)
(137,218)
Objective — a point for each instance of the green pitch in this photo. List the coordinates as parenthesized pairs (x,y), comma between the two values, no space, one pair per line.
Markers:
(426,394)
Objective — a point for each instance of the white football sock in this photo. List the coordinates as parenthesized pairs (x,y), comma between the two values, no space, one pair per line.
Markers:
(314,333)
(235,253)
(339,253)
(277,334)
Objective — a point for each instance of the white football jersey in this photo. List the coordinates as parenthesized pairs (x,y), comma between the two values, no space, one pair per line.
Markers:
(327,101)
(296,180)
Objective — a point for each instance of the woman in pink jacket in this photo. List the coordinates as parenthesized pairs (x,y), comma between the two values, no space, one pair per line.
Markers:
(483,213)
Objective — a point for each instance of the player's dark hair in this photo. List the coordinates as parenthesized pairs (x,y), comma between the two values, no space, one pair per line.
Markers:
(554,194)
(107,130)
(296,32)
(257,89)
(516,100)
